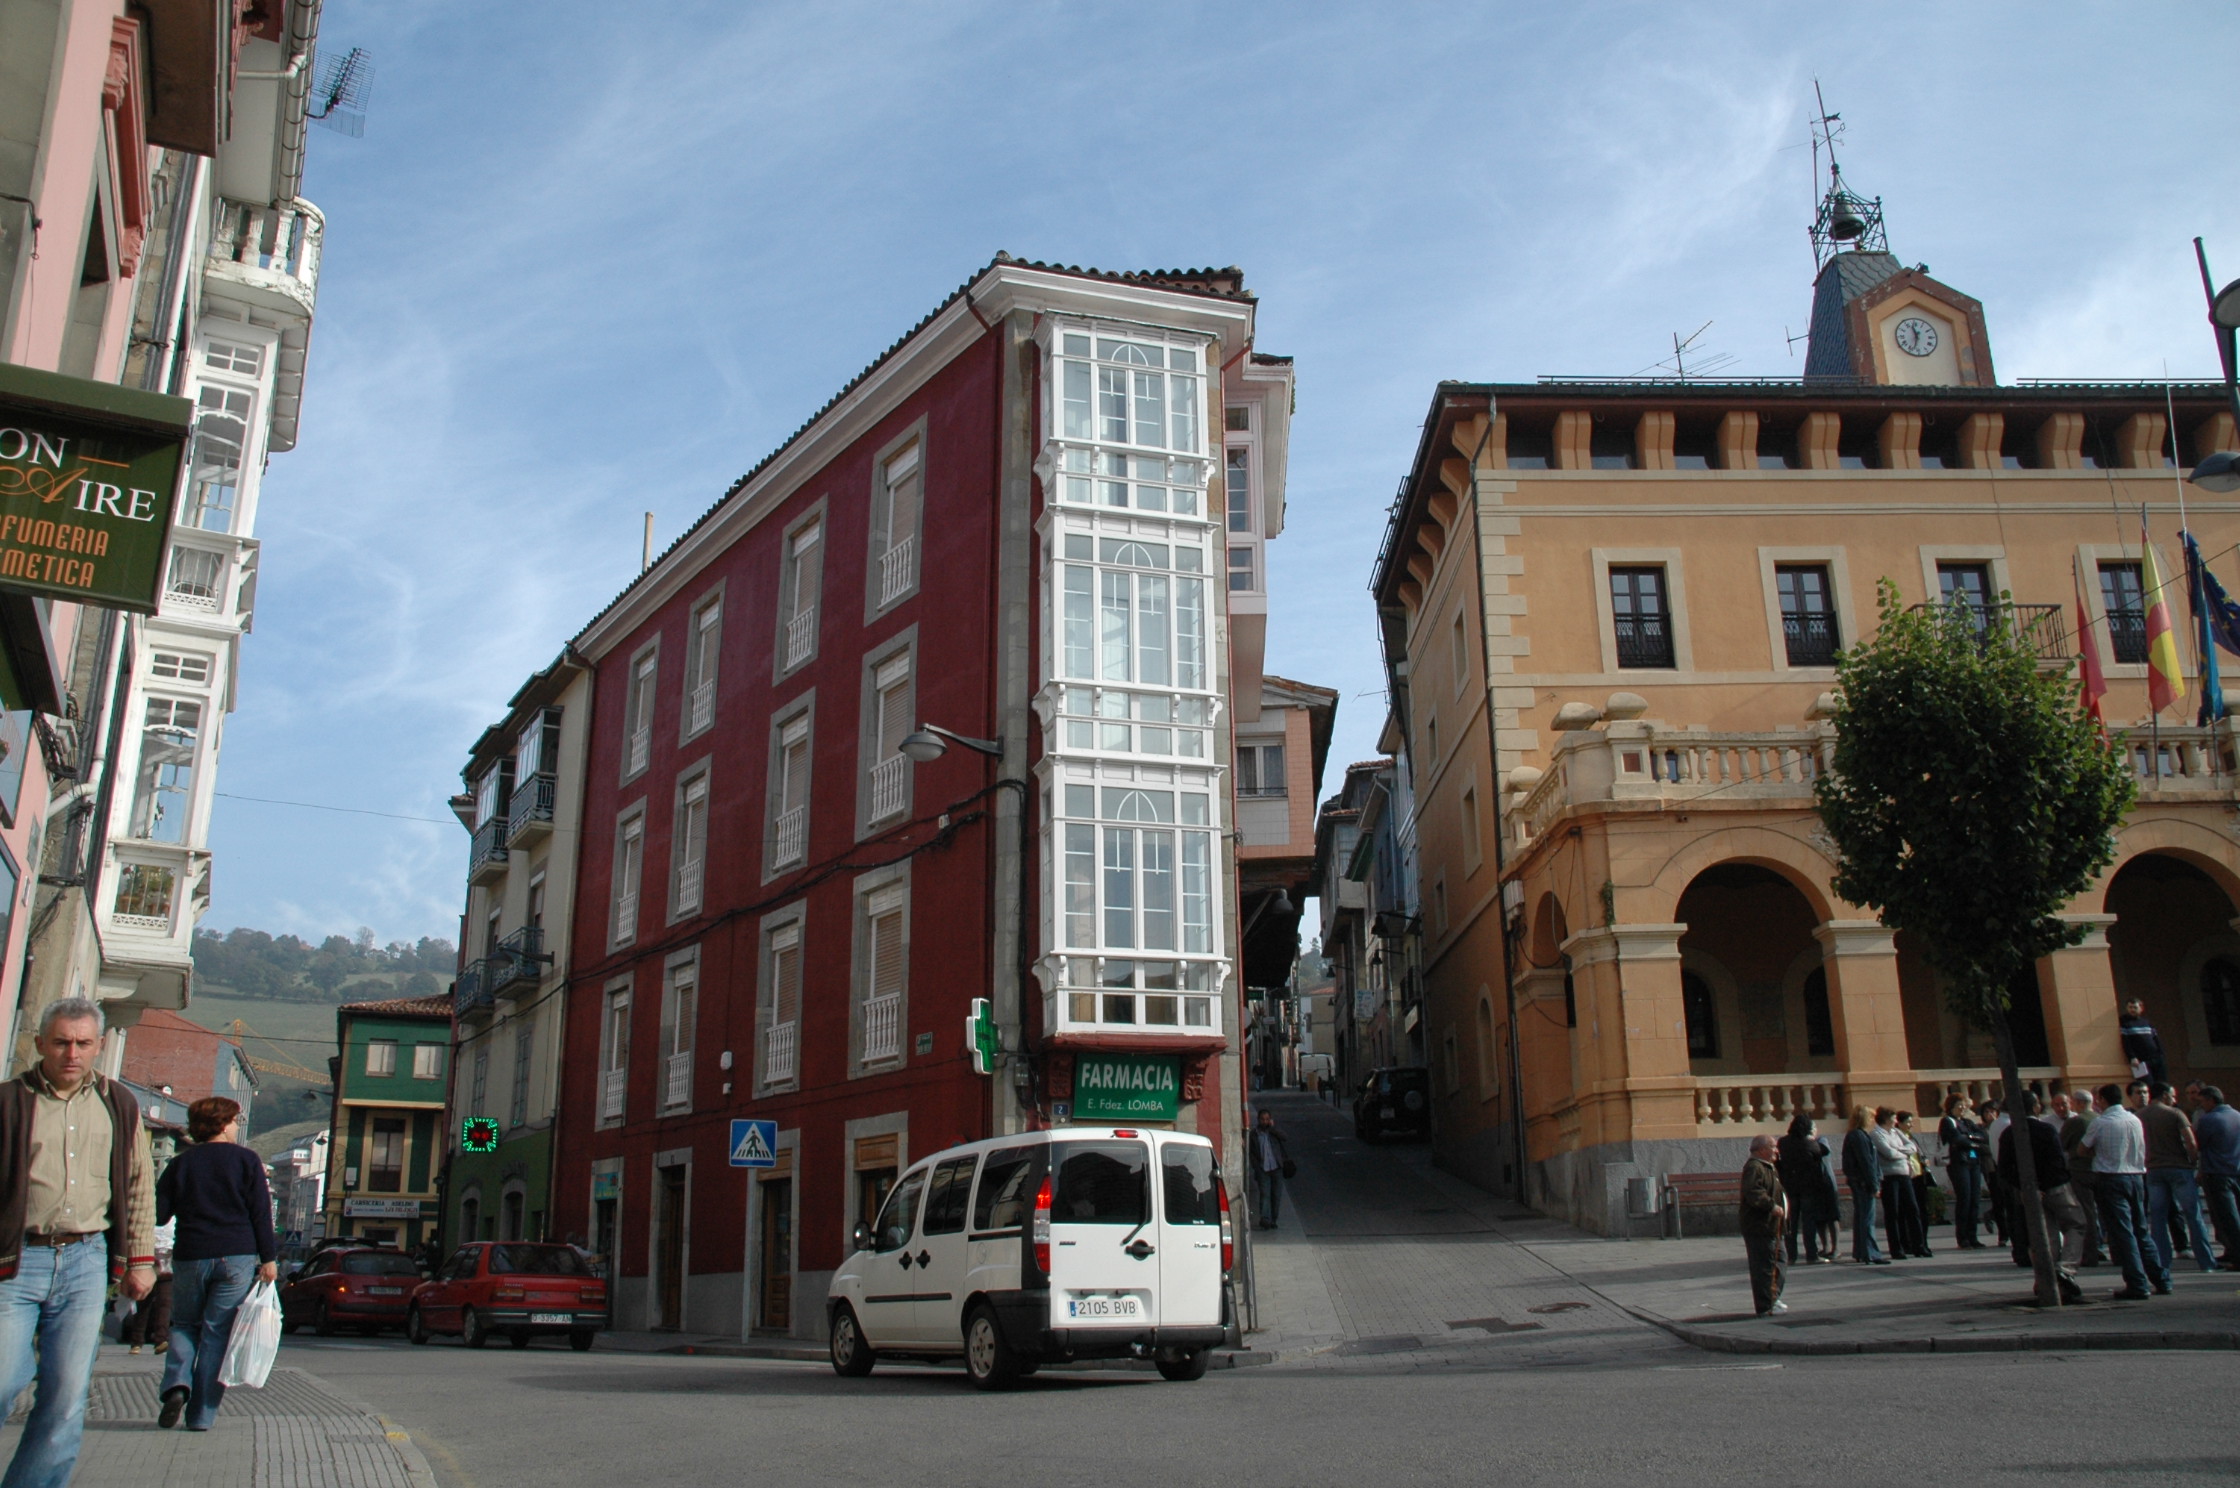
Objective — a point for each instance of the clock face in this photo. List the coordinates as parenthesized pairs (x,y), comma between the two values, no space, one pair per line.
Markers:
(1916,337)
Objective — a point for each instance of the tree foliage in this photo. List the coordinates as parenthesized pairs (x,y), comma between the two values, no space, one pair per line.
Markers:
(256,964)
(1972,796)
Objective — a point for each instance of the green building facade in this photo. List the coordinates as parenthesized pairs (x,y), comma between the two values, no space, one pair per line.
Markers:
(385,1167)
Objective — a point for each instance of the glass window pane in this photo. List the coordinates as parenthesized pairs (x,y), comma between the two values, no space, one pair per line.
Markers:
(1187,1184)
(1119,887)
(1112,404)
(1190,633)
(1101,1183)
(1158,891)
(1151,408)
(1185,390)
(1081,887)
(1197,893)
(1113,642)
(1152,621)
(1079,623)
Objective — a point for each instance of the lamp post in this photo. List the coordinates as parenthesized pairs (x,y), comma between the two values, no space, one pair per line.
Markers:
(2221,471)
(929,742)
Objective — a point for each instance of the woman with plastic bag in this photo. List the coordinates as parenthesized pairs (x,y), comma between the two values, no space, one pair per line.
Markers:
(216,1190)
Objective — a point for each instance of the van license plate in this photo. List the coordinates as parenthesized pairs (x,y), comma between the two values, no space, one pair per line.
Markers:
(1103,1307)
(386,1291)
(551,1317)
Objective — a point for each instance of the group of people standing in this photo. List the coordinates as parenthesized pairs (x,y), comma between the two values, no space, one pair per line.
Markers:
(2124,1174)
(80,1205)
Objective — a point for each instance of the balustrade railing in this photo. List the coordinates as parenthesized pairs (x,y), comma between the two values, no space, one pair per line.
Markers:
(882,1028)
(1761,1100)
(887,778)
(703,707)
(789,836)
(1655,762)
(689,874)
(801,636)
(896,566)
(284,239)
(778,1051)
(612,1087)
(677,1083)
(640,747)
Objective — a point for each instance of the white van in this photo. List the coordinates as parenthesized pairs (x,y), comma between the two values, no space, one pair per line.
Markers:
(1077,1243)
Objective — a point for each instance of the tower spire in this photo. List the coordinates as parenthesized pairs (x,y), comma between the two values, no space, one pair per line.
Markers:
(1845,219)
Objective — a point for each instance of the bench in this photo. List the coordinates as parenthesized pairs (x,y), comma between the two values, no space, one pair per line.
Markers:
(1718,1191)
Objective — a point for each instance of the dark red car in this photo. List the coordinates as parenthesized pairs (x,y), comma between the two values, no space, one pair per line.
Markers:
(367,1288)
(517,1288)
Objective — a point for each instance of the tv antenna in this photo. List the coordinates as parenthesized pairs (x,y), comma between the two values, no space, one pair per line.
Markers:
(1792,340)
(338,99)
(1683,347)
(1845,219)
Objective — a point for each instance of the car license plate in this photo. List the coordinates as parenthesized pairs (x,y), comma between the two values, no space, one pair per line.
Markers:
(386,1291)
(1387,1113)
(1103,1307)
(552,1317)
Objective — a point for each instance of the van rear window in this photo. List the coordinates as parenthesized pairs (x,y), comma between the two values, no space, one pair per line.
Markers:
(1008,1181)
(379,1263)
(1101,1183)
(1187,1179)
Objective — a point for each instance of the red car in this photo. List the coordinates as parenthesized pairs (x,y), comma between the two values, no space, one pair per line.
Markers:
(368,1289)
(517,1288)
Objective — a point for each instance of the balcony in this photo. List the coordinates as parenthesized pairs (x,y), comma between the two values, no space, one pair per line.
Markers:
(898,567)
(2177,763)
(529,813)
(801,637)
(780,1048)
(888,777)
(472,990)
(1767,1100)
(2127,637)
(689,875)
(1650,765)
(676,1085)
(265,260)
(1644,641)
(2042,628)
(701,709)
(519,960)
(1809,640)
(789,837)
(613,1084)
(882,1028)
(639,751)
(486,854)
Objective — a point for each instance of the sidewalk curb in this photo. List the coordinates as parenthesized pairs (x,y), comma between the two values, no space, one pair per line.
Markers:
(415,1464)
(797,1352)
(1995,1343)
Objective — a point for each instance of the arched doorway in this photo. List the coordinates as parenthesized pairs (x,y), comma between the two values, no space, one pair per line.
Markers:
(2173,948)
(1751,984)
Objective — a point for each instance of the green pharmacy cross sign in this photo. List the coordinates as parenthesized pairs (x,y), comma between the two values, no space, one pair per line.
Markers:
(1126,1087)
(980,1037)
(478,1134)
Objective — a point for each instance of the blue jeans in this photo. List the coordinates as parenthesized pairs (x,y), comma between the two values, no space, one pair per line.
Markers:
(2220,1195)
(50,1326)
(204,1297)
(2123,1219)
(1967,1198)
(1270,1194)
(1862,1225)
(2174,1189)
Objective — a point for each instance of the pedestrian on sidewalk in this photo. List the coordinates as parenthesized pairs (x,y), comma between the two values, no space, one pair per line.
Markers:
(2142,1045)
(1862,1169)
(217,1191)
(1919,1165)
(2173,1196)
(1271,1165)
(1962,1140)
(2216,1130)
(77,1210)
(2064,1215)
(150,1322)
(1803,1162)
(2118,1144)
(1765,1212)
(2079,1122)
(1901,1216)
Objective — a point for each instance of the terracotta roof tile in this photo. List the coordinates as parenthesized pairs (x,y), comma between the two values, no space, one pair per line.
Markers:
(438,1006)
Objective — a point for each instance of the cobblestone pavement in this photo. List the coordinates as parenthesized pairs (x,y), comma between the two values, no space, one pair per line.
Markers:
(1381,1261)
(296,1432)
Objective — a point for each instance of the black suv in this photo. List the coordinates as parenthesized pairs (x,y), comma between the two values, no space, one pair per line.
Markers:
(1393,1100)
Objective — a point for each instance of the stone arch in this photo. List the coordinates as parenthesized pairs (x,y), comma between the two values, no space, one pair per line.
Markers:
(1807,868)
(2212,852)
(2173,915)
(1750,928)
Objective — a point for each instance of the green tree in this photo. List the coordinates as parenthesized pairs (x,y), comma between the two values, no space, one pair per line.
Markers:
(1972,798)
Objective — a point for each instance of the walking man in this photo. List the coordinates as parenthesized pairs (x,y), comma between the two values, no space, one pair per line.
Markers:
(1271,1158)
(2216,1131)
(2118,1144)
(1765,1210)
(2173,1198)
(77,1210)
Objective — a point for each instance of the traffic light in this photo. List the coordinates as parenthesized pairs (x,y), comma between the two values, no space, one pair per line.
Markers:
(980,1037)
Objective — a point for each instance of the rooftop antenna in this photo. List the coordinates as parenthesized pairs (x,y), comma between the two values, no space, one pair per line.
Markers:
(1792,340)
(1845,219)
(338,99)
(1682,346)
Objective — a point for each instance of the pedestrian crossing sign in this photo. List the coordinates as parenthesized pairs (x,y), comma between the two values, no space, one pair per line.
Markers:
(754,1144)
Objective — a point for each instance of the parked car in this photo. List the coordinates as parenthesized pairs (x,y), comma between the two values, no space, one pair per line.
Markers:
(1077,1243)
(518,1288)
(1394,1099)
(366,1287)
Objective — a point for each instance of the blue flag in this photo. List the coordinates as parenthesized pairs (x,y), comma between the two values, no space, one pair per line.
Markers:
(2210,606)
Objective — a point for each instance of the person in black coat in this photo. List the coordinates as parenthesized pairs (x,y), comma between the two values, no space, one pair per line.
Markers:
(217,1192)
(1862,1169)
(1812,1197)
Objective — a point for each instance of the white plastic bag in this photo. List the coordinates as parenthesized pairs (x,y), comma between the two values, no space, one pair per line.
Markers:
(255,1340)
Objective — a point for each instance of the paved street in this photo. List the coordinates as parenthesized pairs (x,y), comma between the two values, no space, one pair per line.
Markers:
(1420,1332)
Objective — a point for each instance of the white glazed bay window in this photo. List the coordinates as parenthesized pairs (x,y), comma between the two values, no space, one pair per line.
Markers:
(1134,588)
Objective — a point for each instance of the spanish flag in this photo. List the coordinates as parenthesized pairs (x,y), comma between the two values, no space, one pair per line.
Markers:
(2166,678)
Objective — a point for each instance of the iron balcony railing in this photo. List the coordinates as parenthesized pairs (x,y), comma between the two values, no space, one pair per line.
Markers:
(488,847)
(2127,634)
(520,958)
(472,990)
(2042,628)
(531,807)
(1811,639)
(1644,641)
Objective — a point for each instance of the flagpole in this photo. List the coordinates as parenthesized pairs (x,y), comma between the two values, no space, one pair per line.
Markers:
(2154,714)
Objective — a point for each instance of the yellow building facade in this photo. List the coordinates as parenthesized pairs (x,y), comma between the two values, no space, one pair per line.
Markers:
(1611,615)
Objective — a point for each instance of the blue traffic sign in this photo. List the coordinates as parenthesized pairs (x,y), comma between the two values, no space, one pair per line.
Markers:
(754,1144)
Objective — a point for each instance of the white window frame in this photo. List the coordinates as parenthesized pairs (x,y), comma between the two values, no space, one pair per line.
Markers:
(897,558)
(427,1061)
(884,771)
(785,843)
(801,554)
(688,843)
(640,701)
(1676,600)
(880,895)
(385,1067)
(703,654)
(613,1095)
(784,945)
(1839,594)
(680,1026)
(626,884)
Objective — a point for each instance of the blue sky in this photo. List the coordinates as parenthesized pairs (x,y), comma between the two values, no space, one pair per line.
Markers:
(591,260)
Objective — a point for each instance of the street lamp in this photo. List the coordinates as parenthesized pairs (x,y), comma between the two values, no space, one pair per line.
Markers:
(2221,470)
(931,741)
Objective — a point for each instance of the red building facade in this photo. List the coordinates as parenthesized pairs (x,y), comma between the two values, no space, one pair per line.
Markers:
(1011,528)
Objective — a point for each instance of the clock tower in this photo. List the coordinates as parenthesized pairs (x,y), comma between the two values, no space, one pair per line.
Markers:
(1876,321)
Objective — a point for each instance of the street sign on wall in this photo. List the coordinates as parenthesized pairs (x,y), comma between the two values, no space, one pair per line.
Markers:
(88,473)
(754,1144)
(1126,1087)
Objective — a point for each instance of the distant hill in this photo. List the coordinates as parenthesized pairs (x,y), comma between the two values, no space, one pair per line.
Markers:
(284,968)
